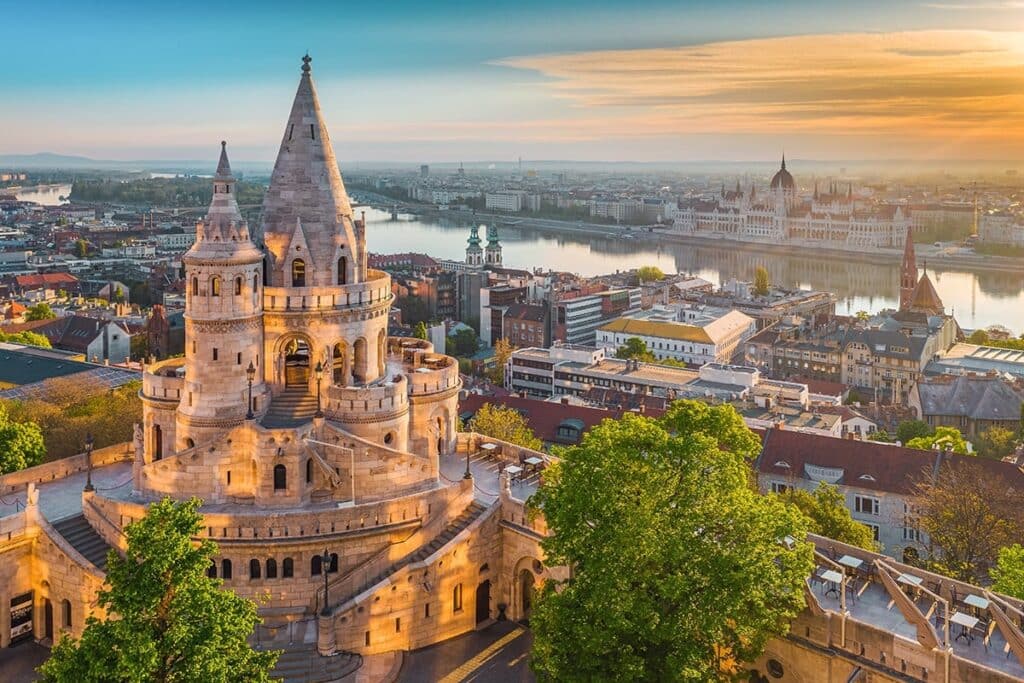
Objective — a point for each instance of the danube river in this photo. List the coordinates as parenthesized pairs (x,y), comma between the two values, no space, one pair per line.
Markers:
(977,299)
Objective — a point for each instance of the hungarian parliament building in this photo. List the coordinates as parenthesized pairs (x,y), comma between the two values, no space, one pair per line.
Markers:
(834,219)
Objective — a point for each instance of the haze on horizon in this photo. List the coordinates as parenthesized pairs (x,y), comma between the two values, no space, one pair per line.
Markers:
(570,80)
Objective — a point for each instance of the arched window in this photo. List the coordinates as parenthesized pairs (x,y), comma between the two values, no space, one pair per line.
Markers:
(342,270)
(309,471)
(280,478)
(238,285)
(298,273)
(271,568)
(66,610)
(457,598)
(195,286)
(334,564)
(254,569)
(211,571)
(287,568)
(158,442)
(316,565)
(225,569)
(189,443)
(255,283)
(215,286)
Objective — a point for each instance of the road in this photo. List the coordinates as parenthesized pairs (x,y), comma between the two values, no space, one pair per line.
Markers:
(498,653)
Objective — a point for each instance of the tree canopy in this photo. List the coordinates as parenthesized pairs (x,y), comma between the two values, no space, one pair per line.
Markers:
(826,509)
(21,444)
(26,338)
(995,443)
(679,570)
(40,311)
(420,331)
(649,274)
(912,429)
(499,422)
(1008,574)
(463,343)
(167,621)
(969,513)
(762,283)
(944,438)
(634,348)
(502,352)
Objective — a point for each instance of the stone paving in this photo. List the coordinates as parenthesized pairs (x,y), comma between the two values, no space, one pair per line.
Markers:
(485,470)
(63,497)
(499,652)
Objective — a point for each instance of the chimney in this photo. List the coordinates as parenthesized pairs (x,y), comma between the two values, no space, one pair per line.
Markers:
(565,401)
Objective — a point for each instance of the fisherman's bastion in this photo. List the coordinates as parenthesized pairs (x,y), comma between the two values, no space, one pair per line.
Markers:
(338,489)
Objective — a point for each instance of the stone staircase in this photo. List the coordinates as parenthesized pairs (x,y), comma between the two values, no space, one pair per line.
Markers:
(84,539)
(293,407)
(469,515)
(303,664)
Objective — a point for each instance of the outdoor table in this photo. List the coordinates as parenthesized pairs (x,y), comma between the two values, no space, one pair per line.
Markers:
(912,582)
(514,471)
(850,561)
(966,622)
(834,578)
(534,462)
(489,447)
(976,601)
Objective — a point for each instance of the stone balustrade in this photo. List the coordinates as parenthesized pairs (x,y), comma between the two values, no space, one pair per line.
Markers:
(65,467)
(374,290)
(357,402)
(433,373)
(164,381)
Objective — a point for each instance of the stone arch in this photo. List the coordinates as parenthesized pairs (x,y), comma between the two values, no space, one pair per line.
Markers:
(293,354)
(215,285)
(360,363)
(158,442)
(382,342)
(342,270)
(340,364)
(525,583)
(441,429)
(298,273)
(238,285)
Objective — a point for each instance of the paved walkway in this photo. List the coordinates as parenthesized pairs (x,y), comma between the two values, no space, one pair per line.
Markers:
(499,652)
(63,497)
(18,664)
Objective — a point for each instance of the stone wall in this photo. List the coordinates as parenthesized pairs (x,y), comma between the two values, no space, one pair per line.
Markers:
(65,467)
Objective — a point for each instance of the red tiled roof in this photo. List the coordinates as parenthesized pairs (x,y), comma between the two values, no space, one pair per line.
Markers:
(45,280)
(544,417)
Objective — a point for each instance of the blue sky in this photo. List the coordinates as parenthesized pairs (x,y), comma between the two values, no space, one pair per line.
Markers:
(448,81)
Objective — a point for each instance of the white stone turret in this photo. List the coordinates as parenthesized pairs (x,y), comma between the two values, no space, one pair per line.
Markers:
(223,309)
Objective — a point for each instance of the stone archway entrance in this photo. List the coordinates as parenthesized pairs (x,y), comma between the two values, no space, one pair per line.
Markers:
(47,619)
(483,601)
(296,363)
(526,594)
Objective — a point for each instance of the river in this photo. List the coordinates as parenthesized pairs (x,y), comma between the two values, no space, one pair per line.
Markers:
(976,299)
(47,195)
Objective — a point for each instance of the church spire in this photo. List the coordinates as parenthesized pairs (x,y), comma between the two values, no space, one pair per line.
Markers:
(306,189)
(783,161)
(223,166)
(908,271)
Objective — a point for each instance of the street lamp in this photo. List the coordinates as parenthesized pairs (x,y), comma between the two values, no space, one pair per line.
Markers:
(468,474)
(325,562)
(319,370)
(250,374)
(88,462)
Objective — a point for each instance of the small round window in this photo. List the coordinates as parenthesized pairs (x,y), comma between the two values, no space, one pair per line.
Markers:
(388,438)
(775,669)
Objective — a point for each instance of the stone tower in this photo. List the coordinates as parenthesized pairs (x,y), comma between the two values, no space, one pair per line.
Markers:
(323,308)
(492,254)
(908,271)
(223,304)
(474,252)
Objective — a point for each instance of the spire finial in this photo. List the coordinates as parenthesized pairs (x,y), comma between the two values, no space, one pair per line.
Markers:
(306,59)
(223,166)
(783,161)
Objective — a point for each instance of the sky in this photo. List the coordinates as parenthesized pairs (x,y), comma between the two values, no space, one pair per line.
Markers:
(733,80)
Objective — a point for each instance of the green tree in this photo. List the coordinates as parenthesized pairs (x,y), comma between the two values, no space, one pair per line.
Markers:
(649,274)
(762,283)
(499,422)
(463,343)
(1008,574)
(912,429)
(979,337)
(881,436)
(21,444)
(634,349)
(40,311)
(26,338)
(679,571)
(995,443)
(826,509)
(167,621)
(944,438)
(420,331)
(81,248)
(502,352)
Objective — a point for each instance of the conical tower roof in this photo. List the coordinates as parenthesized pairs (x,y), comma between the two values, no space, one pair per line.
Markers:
(925,299)
(223,234)
(306,193)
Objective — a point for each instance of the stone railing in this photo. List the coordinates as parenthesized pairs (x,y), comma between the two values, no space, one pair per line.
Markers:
(13,526)
(433,373)
(406,348)
(59,469)
(376,289)
(163,381)
(387,397)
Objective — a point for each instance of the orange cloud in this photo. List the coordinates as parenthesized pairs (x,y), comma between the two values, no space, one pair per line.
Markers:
(909,87)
